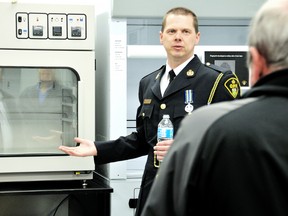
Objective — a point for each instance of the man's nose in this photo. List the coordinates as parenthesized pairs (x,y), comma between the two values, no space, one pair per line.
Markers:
(178,35)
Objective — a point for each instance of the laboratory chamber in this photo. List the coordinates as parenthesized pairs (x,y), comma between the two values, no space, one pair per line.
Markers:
(47,90)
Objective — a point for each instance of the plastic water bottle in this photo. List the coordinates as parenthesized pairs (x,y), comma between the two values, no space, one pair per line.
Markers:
(165,129)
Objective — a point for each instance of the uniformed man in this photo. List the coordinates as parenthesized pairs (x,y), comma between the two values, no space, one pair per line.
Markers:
(188,86)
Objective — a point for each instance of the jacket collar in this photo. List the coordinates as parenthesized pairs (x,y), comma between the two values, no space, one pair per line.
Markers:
(275,83)
(181,80)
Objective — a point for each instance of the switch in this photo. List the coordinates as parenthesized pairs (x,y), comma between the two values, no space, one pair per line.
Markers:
(22,25)
(76,31)
(57,31)
(37,30)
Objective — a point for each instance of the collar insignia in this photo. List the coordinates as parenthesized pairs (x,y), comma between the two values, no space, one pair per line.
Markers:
(157,75)
(190,73)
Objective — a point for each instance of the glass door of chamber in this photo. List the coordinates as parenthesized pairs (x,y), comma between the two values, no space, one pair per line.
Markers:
(38,110)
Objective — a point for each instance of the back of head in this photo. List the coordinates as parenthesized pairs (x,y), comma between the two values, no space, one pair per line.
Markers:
(269,33)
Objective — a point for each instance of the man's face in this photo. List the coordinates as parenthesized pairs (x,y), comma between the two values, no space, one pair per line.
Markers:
(46,75)
(179,37)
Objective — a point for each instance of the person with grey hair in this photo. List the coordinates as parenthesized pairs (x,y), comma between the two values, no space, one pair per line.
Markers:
(231,158)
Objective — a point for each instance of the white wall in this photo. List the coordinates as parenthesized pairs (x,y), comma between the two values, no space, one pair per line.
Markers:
(100,5)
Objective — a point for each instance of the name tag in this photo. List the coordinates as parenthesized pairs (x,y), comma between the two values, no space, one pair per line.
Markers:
(147,101)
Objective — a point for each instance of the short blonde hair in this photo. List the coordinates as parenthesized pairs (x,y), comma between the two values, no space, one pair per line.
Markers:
(181,11)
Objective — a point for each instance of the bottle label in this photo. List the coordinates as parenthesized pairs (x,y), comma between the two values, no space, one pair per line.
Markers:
(165,133)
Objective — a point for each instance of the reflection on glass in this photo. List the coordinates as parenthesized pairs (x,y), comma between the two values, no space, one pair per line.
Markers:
(38,110)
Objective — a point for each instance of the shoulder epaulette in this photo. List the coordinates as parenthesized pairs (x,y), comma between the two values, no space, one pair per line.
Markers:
(232,84)
(217,68)
(159,72)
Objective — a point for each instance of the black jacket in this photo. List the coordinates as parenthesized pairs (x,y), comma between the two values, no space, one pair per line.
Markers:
(229,159)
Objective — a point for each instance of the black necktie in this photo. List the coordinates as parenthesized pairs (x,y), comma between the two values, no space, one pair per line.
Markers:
(172,75)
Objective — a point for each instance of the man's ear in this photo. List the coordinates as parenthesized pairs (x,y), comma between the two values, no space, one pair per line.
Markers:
(258,65)
(161,37)
(197,38)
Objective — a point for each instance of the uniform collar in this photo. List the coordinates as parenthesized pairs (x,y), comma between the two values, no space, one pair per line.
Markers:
(178,69)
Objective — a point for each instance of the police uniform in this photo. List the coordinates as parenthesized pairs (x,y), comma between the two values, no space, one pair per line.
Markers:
(229,158)
(208,84)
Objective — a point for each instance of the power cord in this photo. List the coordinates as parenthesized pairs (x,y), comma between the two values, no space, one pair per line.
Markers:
(58,206)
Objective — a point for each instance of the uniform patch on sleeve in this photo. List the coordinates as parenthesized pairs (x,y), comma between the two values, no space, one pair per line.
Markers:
(232,86)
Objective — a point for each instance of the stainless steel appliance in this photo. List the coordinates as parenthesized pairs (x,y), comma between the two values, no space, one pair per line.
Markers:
(47,90)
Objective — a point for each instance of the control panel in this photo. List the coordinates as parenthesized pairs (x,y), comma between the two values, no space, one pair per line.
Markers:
(57,24)
(22,25)
(37,25)
(53,26)
(76,25)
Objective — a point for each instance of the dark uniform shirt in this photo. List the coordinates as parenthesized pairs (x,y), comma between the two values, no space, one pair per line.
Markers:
(208,86)
(229,158)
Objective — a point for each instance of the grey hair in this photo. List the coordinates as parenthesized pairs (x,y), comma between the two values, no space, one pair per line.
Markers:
(269,33)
